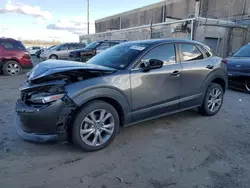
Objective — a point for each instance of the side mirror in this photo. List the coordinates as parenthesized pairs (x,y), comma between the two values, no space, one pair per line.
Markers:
(231,54)
(58,49)
(151,64)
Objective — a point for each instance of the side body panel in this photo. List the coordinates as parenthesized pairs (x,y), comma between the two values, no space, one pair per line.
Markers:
(115,86)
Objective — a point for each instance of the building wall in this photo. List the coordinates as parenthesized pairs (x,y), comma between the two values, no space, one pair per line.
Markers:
(180,9)
(155,13)
(232,9)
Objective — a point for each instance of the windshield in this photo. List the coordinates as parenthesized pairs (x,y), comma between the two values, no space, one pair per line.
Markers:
(92,45)
(120,56)
(243,52)
(51,47)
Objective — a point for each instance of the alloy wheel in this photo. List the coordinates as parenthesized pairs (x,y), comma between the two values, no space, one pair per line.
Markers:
(13,69)
(97,127)
(215,99)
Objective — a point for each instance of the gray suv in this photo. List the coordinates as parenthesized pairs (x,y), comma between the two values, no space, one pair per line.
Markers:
(61,51)
(128,83)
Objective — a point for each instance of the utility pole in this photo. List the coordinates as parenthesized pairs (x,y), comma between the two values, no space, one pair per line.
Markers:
(88,15)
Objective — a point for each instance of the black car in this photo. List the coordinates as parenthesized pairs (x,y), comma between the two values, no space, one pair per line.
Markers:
(238,66)
(128,83)
(92,49)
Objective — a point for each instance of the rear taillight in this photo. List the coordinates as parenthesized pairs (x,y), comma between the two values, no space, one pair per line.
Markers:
(26,55)
(224,61)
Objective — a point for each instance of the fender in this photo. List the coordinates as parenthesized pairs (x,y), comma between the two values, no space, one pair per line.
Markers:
(92,93)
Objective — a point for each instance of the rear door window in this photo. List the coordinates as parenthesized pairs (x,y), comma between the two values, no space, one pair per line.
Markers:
(190,52)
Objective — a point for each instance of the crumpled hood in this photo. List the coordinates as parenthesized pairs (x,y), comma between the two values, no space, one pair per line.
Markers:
(50,67)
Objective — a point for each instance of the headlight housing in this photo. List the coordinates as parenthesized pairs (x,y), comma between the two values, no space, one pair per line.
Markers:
(42,99)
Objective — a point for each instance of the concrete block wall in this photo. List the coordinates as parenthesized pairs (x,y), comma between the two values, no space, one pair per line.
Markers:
(232,9)
(165,31)
(156,13)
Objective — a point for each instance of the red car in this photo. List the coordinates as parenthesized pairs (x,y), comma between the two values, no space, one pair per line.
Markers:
(13,57)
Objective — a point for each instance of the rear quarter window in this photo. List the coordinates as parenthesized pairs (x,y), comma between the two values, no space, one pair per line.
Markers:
(12,45)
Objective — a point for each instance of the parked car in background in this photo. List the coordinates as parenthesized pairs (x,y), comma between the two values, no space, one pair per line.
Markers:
(38,54)
(238,66)
(92,49)
(128,83)
(33,49)
(13,57)
(61,51)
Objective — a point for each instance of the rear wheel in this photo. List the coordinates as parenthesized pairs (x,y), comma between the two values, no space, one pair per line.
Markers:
(11,68)
(95,126)
(53,57)
(213,100)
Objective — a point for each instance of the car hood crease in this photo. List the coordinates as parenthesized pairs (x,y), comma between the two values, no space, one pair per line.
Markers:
(51,67)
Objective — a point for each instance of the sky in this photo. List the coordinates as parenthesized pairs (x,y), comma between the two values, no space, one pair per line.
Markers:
(61,20)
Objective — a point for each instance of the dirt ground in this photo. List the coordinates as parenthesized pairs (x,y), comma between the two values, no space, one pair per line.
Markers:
(184,150)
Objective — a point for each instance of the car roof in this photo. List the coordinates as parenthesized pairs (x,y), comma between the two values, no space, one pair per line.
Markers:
(112,41)
(9,39)
(153,42)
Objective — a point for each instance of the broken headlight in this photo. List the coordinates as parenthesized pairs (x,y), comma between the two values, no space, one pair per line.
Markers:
(42,99)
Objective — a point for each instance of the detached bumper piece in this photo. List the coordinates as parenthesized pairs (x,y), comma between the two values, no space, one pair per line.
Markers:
(44,123)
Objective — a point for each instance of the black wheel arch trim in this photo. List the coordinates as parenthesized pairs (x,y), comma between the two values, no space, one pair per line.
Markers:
(93,93)
(217,74)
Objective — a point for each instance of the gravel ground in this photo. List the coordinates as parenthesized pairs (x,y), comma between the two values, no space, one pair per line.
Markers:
(183,150)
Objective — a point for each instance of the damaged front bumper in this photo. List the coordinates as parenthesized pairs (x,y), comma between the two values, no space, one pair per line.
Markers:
(44,123)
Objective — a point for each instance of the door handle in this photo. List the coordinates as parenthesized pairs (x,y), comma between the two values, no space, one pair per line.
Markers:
(175,73)
(210,67)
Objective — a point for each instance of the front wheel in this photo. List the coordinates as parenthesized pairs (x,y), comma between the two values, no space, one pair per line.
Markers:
(95,126)
(213,100)
(53,57)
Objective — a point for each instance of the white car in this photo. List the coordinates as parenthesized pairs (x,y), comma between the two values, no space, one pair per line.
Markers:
(33,49)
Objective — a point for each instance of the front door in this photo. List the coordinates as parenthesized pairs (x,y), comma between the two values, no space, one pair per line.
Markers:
(157,91)
(196,66)
(62,52)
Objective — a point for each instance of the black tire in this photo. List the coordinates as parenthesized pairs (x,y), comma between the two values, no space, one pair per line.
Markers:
(7,72)
(80,117)
(53,57)
(247,85)
(204,109)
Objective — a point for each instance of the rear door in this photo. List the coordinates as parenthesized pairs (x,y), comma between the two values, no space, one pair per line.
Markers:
(196,66)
